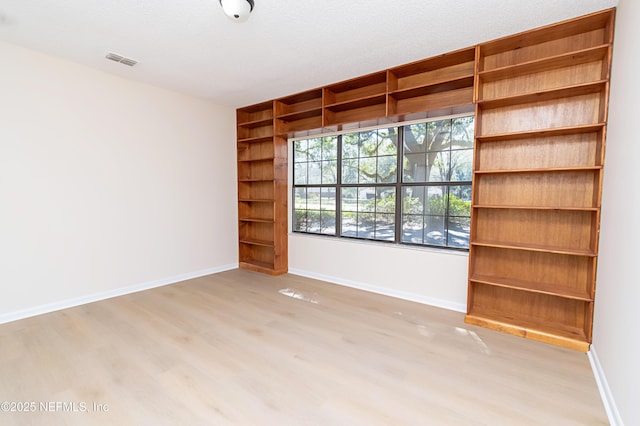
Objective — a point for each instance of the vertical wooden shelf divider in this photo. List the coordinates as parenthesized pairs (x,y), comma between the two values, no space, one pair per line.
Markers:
(541,111)
(540,100)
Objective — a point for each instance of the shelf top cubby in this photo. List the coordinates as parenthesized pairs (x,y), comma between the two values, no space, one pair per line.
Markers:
(356,90)
(599,20)
(433,71)
(563,60)
(298,106)
(258,113)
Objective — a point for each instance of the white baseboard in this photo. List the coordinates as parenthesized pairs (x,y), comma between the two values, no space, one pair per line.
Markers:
(605,392)
(439,303)
(69,303)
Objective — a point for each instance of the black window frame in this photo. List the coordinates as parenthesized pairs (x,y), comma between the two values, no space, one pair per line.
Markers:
(399,186)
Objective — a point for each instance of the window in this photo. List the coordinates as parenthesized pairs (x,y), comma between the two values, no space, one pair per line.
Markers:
(409,184)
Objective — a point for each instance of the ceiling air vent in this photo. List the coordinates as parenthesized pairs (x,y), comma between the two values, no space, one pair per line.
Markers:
(118,58)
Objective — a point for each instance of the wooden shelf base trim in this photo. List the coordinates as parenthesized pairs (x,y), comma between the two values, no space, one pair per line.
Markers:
(533,287)
(263,267)
(568,337)
(571,252)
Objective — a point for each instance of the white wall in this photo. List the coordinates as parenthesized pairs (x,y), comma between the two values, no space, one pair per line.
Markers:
(616,340)
(106,183)
(434,277)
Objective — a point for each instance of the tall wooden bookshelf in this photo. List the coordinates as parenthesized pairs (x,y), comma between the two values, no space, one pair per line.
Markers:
(541,112)
(262,191)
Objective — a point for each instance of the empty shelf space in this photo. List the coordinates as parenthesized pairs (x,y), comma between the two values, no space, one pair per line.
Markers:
(533,287)
(560,131)
(536,248)
(544,64)
(544,95)
(433,87)
(255,242)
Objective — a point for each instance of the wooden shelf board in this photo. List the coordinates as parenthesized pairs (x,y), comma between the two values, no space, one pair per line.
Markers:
(540,170)
(251,160)
(256,123)
(486,206)
(529,247)
(255,180)
(365,101)
(577,57)
(559,131)
(256,139)
(256,200)
(544,95)
(532,287)
(446,60)
(247,219)
(535,329)
(262,243)
(300,115)
(433,87)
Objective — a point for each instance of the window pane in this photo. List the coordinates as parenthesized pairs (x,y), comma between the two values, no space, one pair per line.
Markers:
(314,176)
(330,148)
(387,166)
(438,137)
(414,138)
(461,165)
(385,200)
(349,224)
(459,231)
(367,170)
(436,201)
(350,171)
(412,229)
(366,199)
(313,221)
(385,226)
(329,172)
(300,220)
(349,199)
(413,200)
(434,231)
(328,199)
(300,198)
(328,222)
(350,143)
(300,150)
(415,167)
(462,132)
(300,174)
(315,149)
(438,166)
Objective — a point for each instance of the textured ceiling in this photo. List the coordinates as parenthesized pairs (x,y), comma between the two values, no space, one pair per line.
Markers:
(285,47)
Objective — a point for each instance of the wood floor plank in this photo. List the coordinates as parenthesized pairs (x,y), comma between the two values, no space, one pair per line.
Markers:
(240,347)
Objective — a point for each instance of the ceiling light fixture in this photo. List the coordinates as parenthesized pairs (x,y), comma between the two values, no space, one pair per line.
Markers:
(237,10)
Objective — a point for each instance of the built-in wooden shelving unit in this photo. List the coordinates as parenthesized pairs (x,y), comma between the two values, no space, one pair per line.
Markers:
(541,112)
(540,99)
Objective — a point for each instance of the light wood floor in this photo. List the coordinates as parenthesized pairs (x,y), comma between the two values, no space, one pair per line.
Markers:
(244,348)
